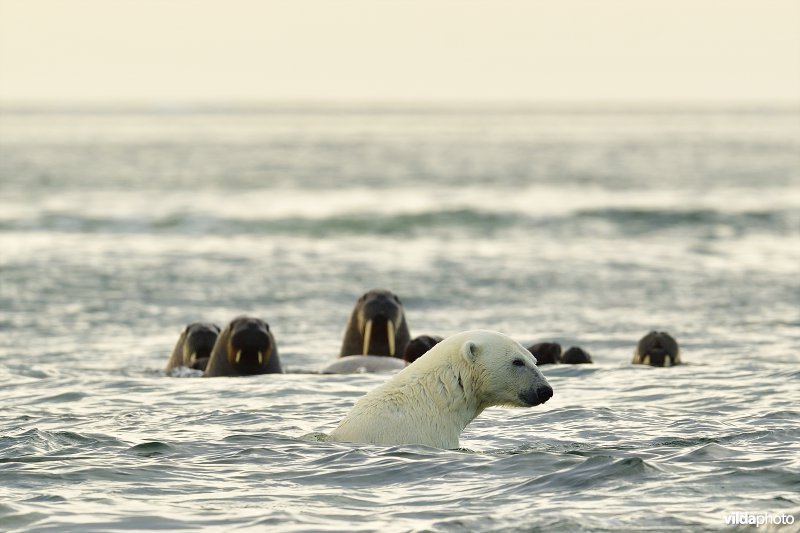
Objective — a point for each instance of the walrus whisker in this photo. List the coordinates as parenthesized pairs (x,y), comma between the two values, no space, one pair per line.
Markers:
(390,336)
(367,335)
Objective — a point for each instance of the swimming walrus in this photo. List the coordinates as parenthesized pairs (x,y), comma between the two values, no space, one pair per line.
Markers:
(363,364)
(377,326)
(375,337)
(359,364)
(657,348)
(245,347)
(194,346)
(576,356)
(546,353)
(418,346)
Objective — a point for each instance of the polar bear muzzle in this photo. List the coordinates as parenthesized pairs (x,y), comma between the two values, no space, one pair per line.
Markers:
(536,395)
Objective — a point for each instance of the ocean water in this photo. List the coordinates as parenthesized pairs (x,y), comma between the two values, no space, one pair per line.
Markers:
(588,227)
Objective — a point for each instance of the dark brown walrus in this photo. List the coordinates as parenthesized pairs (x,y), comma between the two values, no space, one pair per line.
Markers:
(576,356)
(657,348)
(194,346)
(549,353)
(377,326)
(244,348)
(419,346)
(546,353)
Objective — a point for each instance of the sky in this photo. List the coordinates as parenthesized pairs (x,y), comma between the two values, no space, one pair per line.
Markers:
(103,51)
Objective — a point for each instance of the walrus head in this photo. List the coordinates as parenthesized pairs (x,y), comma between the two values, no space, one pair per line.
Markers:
(546,353)
(250,345)
(380,314)
(377,326)
(657,348)
(576,356)
(419,346)
(200,338)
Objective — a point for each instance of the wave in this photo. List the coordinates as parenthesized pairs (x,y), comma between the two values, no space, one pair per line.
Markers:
(190,223)
(470,220)
(640,220)
(35,445)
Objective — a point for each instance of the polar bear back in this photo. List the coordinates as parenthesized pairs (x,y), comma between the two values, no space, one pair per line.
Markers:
(433,399)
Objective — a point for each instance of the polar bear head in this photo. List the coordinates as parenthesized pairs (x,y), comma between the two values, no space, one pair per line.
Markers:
(502,371)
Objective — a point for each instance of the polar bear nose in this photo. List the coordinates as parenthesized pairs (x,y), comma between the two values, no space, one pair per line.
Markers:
(536,396)
(544,393)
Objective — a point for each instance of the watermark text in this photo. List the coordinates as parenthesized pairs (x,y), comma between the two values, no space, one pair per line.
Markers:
(758,519)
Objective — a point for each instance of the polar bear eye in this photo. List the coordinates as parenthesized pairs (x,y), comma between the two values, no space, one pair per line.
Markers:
(518,362)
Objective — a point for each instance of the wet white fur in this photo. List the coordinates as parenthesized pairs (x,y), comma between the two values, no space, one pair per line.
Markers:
(425,404)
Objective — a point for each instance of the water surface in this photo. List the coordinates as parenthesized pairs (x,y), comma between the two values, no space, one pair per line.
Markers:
(584,227)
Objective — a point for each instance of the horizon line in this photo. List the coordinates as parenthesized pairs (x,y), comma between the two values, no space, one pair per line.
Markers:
(169,105)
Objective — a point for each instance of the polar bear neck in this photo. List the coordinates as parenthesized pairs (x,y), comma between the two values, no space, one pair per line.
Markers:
(453,393)
(417,406)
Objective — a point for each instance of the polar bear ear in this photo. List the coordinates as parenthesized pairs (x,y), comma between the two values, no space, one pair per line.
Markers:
(470,351)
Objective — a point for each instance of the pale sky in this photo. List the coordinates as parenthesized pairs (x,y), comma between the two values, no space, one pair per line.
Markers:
(378,50)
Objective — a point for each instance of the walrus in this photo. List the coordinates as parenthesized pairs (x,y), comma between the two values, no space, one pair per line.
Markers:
(576,356)
(245,347)
(546,353)
(194,346)
(657,348)
(418,346)
(377,326)
(363,364)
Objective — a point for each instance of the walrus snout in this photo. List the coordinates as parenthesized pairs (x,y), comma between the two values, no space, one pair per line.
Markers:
(537,396)
(250,345)
(380,318)
(197,345)
(381,307)
(379,336)
(657,348)
(657,357)
(200,343)
(251,339)
(244,348)
(377,326)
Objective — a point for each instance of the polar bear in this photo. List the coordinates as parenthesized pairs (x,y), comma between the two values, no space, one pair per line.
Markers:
(434,398)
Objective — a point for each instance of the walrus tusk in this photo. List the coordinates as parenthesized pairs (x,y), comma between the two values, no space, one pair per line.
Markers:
(238,356)
(367,335)
(390,336)
(260,358)
(646,359)
(667,361)
(193,358)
